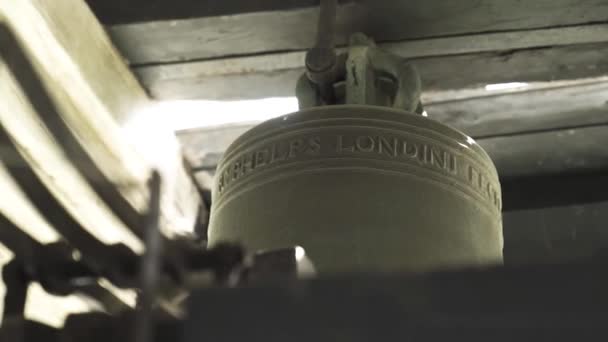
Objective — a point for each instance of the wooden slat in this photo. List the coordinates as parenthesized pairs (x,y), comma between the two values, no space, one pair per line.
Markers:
(397,19)
(276,75)
(552,152)
(96,99)
(119,11)
(18,210)
(526,111)
(28,88)
(27,147)
(167,39)
(205,38)
(530,65)
(172,57)
(202,38)
(499,41)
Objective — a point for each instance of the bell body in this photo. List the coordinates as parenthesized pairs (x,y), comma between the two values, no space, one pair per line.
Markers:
(361,188)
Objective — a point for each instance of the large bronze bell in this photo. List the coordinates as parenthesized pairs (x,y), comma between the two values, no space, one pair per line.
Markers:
(361,187)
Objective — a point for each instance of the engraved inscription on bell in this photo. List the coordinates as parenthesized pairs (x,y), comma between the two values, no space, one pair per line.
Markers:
(379,146)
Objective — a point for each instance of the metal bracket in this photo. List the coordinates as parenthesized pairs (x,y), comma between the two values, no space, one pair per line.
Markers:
(363,75)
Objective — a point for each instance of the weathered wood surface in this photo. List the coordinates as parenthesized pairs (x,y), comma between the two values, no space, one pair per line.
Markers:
(205,38)
(552,152)
(276,75)
(168,36)
(397,17)
(119,11)
(27,145)
(171,54)
(526,111)
(58,48)
(19,210)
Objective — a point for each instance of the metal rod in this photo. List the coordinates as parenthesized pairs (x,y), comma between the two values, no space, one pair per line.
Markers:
(16,281)
(326,28)
(151,264)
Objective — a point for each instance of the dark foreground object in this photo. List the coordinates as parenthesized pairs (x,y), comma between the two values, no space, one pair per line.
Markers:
(556,303)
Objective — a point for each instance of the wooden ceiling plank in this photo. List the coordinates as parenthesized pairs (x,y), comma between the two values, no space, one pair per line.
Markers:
(530,111)
(133,11)
(208,38)
(276,75)
(158,32)
(64,76)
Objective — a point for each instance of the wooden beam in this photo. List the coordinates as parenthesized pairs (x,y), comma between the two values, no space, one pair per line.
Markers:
(560,151)
(229,57)
(68,100)
(21,213)
(118,11)
(528,65)
(211,32)
(525,111)
(395,18)
(171,56)
(203,38)
(276,75)
(254,33)
(33,156)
